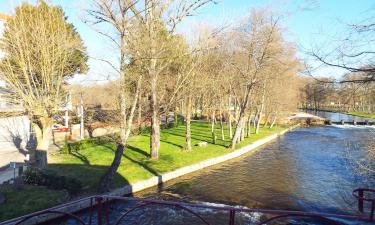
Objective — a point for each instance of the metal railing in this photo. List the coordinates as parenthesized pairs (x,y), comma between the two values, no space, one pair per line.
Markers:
(359,194)
(98,212)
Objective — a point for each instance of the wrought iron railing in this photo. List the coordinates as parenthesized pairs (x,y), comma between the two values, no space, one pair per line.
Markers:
(99,211)
(363,195)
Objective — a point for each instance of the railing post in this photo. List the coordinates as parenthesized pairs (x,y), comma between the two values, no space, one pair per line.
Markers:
(360,201)
(90,210)
(232,215)
(99,201)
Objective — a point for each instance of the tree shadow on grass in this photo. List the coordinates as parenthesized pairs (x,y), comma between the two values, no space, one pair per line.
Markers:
(138,162)
(194,136)
(143,164)
(171,143)
(165,138)
(135,149)
(89,175)
(197,137)
(81,157)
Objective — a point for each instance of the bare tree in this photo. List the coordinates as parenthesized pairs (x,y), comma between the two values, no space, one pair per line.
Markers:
(352,52)
(144,38)
(157,20)
(42,50)
(119,16)
(256,37)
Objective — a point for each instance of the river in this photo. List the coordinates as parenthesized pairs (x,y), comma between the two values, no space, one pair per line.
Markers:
(308,169)
(337,117)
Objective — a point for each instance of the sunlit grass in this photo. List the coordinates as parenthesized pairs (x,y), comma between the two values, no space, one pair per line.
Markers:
(89,164)
(362,114)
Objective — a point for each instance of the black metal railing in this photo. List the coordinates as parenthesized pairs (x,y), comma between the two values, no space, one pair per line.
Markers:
(99,211)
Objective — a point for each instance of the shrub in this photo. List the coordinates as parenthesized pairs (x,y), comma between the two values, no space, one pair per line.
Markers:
(145,130)
(32,176)
(79,145)
(167,126)
(73,186)
(51,180)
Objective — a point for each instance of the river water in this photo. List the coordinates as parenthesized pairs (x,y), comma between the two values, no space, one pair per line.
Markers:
(308,169)
(337,117)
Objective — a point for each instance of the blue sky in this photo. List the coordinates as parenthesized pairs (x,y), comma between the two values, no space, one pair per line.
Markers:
(308,23)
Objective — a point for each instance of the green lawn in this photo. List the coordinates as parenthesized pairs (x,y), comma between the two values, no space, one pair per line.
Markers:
(28,199)
(362,114)
(90,163)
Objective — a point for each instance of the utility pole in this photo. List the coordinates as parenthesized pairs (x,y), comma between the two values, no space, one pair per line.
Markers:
(67,108)
(82,130)
(66,118)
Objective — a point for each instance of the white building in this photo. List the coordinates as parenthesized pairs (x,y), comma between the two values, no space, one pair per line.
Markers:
(14,132)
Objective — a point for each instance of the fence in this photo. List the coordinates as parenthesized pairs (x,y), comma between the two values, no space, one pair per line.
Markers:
(105,210)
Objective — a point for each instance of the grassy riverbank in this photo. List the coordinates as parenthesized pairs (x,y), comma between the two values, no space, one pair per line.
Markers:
(89,164)
(353,113)
(362,114)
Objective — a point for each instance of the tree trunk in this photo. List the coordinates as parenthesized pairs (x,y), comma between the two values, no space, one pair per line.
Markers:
(242,137)
(248,130)
(267,120)
(258,121)
(107,179)
(175,117)
(240,123)
(182,107)
(235,112)
(273,122)
(155,123)
(213,127)
(201,107)
(125,130)
(188,121)
(139,119)
(222,126)
(43,133)
(196,102)
(255,118)
(166,118)
(261,109)
(237,134)
(230,117)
